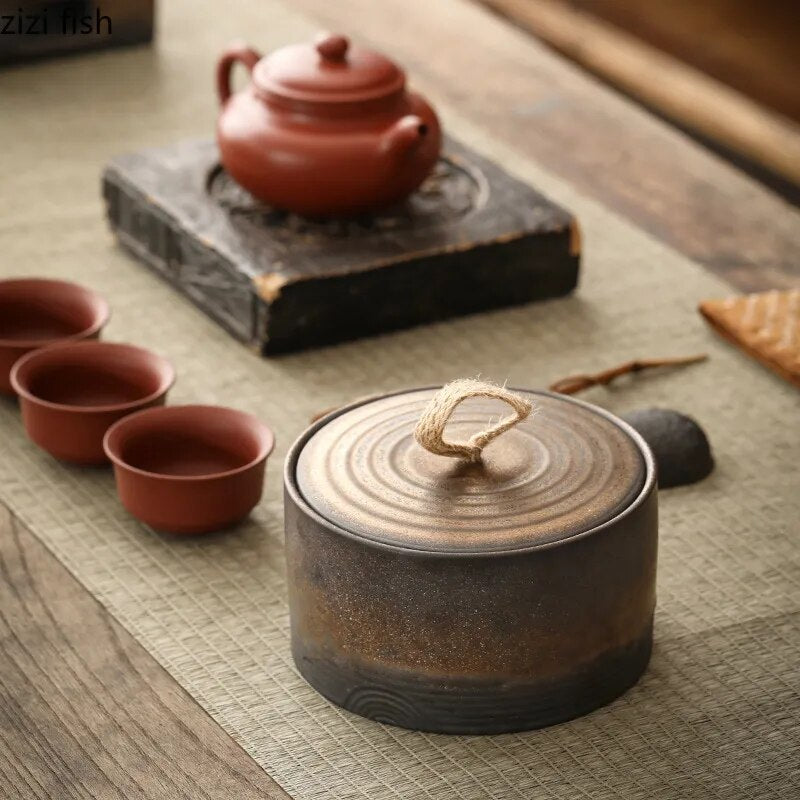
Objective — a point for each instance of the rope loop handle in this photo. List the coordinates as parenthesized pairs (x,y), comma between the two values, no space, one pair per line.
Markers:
(429,432)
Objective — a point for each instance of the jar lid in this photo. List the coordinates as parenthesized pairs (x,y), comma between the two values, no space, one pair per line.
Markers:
(565,469)
(329,71)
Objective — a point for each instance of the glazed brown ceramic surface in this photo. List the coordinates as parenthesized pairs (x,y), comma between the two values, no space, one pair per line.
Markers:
(37,312)
(189,469)
(505,595)
(70,394)
(324,129)
(567,471)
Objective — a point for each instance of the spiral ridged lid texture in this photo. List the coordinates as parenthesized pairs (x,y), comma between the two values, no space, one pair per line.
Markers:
(566,468)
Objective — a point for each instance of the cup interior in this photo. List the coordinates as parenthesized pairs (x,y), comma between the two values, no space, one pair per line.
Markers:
(93,375)
(36,311)
(189,441)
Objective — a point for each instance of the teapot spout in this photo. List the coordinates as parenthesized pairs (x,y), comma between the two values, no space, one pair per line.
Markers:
(404,136)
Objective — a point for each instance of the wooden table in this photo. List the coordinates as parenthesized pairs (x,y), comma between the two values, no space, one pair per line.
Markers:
(85,712)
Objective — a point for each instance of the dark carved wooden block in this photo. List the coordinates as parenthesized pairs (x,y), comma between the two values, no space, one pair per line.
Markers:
(471,238)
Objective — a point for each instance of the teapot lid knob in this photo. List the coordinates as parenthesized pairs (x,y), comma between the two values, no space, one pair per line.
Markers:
(332,46)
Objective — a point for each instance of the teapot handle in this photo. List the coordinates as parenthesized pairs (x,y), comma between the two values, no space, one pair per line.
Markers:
(235,52)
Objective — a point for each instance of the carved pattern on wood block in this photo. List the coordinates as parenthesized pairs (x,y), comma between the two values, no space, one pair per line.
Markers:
(210,282)
(454,190)
(282,282)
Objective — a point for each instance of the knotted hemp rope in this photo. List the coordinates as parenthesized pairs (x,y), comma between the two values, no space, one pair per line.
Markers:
(429,432)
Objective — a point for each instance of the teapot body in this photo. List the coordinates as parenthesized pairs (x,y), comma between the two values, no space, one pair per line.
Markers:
(324,158)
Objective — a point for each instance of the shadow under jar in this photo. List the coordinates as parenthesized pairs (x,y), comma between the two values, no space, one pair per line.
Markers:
(442,595)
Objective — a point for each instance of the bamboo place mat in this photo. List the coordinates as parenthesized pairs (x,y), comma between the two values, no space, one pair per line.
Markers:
(717,713)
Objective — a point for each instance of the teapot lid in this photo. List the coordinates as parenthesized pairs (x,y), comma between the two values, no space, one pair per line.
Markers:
(329,71)
(564,470)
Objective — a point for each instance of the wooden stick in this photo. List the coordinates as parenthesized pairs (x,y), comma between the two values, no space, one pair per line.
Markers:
(663,82)
(577,383)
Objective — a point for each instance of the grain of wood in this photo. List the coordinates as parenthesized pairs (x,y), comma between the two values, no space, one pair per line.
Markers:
(750,46)
(85,712)
(665,83)
(500,78)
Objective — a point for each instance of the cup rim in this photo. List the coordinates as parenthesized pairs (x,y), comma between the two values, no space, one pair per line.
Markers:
(166,367)
(102,317)
(266,447)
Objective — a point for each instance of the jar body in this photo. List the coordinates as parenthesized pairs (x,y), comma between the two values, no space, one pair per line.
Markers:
(329,164)
(471,643)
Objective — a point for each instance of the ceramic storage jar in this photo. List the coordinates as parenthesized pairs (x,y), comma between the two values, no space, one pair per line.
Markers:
(509,587)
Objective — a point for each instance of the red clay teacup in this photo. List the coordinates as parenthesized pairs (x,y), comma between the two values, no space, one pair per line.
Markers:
(71,394)
(189,469)
(37,312)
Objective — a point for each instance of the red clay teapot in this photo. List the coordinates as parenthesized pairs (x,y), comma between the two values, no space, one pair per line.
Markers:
(324,129)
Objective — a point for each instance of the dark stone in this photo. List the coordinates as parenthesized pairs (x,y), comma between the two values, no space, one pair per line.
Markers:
(679,444)
(470,238)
